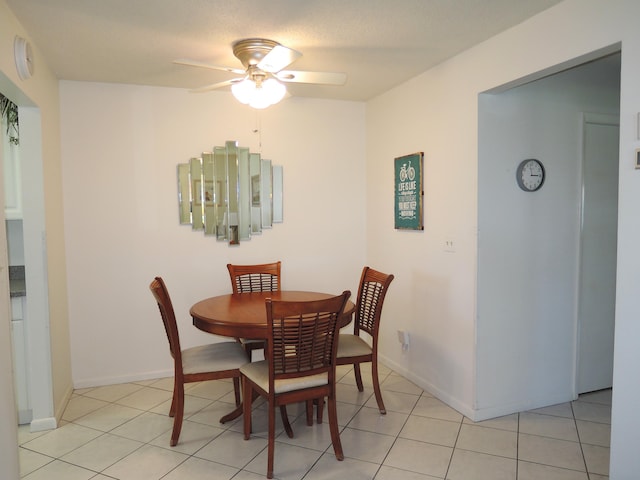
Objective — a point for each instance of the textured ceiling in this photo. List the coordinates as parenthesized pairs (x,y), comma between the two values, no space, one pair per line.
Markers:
(378,43)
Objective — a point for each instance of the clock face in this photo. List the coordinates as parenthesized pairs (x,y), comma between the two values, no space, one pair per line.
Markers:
(530,175)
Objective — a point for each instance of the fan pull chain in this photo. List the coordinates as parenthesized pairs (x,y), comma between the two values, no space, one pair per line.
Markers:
(258,129)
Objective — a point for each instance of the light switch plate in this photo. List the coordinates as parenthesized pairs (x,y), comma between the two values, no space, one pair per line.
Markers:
(449,244)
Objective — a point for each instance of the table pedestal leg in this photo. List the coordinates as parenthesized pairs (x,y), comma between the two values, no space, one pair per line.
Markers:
(232,415)
(236,412)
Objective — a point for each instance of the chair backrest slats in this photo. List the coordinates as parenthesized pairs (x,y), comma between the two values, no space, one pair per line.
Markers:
(302,336)
(371,292)
(255,278)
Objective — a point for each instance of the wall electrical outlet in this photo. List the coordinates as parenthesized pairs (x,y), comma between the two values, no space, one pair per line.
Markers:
(403,338)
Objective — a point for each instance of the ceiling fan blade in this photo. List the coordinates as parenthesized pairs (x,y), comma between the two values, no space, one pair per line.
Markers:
(278,58)
(322,78)
(213,86)
(193,63)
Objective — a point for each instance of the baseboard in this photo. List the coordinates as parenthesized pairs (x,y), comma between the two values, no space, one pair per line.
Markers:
(137,377)
(25,416)
(42,424)
(478,414)
(486,413)
(63,404)
(451,401)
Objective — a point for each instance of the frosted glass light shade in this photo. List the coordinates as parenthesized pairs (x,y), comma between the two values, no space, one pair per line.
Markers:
(243,90)
(269,92)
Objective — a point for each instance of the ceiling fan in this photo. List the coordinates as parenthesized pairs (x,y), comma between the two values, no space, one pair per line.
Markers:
(263,60)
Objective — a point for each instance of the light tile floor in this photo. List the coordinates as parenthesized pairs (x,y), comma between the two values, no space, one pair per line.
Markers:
(122,432)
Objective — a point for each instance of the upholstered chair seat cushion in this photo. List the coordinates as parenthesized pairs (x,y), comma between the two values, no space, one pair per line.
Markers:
(350,345)
(258,372)
(214,357)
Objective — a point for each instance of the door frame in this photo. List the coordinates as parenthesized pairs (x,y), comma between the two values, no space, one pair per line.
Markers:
(600,119)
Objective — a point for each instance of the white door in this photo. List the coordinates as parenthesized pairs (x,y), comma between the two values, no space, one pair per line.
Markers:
(597,288)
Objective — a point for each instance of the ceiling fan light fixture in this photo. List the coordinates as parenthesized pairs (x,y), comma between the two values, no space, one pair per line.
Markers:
(243,90)
(264,61)
(260,94)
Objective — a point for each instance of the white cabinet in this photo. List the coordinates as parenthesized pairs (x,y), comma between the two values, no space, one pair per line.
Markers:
(20,369)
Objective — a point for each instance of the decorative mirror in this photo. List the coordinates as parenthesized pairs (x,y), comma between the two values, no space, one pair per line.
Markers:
(230,193)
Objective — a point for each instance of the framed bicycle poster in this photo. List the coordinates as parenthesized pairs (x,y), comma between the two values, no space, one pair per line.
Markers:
(409,192)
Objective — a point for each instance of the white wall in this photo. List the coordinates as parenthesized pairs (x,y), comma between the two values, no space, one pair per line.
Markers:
(528,242)
(121,145)
(434,294)
(41,93)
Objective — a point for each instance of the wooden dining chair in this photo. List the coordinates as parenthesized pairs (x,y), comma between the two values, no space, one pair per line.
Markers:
(352,348)
(299,365)
(254,278)
(196,364)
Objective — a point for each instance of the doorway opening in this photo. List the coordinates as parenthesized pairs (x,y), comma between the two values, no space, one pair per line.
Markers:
(530,243)
(27,230)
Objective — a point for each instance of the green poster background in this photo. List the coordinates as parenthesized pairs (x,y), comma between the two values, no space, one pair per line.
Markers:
(408,191)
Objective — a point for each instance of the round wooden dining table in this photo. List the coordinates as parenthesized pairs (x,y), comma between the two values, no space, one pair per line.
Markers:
(244,315)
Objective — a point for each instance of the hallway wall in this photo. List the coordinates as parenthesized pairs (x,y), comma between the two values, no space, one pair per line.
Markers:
(528,243)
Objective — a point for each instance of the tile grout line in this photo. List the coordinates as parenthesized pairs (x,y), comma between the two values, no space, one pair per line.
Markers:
(584,460)
(103,433)
(397,436)
(517,445)
(453,449)
(359,408)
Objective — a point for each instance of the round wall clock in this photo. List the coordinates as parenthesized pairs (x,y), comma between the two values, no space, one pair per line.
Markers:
(530,175)
(23,57)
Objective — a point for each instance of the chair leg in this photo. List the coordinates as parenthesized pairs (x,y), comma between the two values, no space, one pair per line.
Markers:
(319,407)
(236,390)
(333,426)
(172,409)
(248,351)
(285,421)
(272,440)
(356,370)
(376,387)
(319,403)
(247,393)
(310,412)
(177,406)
